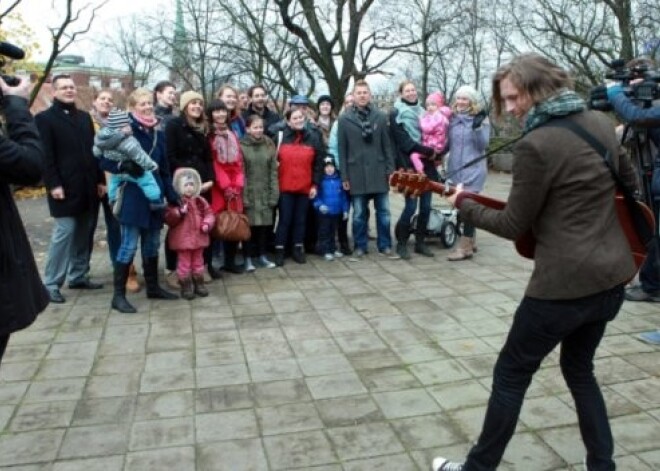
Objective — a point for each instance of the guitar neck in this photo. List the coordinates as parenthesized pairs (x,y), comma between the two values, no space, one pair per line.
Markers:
(446,190)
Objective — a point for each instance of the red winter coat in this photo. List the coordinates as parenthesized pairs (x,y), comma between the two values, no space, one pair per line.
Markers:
(228,176)
(186,229)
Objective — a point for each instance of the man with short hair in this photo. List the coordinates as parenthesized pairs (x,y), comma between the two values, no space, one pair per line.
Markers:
(72,178)
(366,159)
(164,101)
(258,106)
(563,195)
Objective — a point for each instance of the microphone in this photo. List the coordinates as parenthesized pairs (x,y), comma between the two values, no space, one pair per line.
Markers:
(11,51)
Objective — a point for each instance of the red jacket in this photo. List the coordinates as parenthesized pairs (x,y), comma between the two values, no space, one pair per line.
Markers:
(228,176)
(296,165)
(186,229)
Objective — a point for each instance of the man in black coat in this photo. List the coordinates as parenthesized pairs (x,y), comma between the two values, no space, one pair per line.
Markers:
(258,101)
(72,178)
(22,295)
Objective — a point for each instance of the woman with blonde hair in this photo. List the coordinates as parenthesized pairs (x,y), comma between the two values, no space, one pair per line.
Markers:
(469,132)
(228,94)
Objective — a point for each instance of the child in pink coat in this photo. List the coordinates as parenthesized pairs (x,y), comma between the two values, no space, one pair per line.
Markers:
(434,125)
(190,224)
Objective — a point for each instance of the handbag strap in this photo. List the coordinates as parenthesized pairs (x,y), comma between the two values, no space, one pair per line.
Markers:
(641,227)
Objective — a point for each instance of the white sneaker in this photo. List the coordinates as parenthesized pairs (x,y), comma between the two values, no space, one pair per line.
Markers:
(338,254)
(329,257)
(264,262)
(443,464)
(249,266)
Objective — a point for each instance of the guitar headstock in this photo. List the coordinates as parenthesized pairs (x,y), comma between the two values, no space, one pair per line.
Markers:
(410,183)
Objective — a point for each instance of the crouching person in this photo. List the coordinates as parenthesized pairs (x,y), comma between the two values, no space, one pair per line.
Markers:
(190,224)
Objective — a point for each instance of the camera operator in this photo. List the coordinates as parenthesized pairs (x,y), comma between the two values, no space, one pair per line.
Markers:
(649,274)
(22,294)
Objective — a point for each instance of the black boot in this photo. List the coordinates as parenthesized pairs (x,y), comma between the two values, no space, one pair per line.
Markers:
(119,301)
(299,254)
(154,290)
(279,256)
(420,237)
(230,258)
(402,234)
(214,273)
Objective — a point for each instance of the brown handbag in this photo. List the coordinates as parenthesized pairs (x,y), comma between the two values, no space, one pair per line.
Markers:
(231,226)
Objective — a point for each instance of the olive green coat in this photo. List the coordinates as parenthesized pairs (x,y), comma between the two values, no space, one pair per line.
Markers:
(261,191)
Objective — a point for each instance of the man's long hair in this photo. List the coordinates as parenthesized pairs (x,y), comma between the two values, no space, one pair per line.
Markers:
(531,74)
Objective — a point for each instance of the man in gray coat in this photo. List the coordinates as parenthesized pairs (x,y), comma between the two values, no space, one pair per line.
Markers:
(366,158)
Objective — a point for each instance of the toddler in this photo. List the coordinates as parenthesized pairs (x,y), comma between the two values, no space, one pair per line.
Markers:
(190,223)
(332,203)
(115,142)
(434,125)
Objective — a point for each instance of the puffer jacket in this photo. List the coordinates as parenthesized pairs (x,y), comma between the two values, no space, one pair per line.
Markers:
(332,194)
(120,147)
(187,229)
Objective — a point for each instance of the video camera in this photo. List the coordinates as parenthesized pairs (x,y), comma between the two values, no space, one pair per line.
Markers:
(10,51)
(643,93)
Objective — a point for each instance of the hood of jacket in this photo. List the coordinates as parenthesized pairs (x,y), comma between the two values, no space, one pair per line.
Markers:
(182,175)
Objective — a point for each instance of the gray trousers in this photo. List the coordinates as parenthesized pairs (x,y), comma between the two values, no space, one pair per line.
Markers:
(69,251)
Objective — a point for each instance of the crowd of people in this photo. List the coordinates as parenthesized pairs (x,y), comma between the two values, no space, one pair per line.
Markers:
(174,162)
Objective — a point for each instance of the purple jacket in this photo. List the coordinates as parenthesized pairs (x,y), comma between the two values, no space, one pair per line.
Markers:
(466,144)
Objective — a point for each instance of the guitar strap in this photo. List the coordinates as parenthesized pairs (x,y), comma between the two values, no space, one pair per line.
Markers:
(644,232)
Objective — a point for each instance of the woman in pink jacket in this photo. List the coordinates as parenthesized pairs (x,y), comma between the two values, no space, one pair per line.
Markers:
(190,224)
(227,191)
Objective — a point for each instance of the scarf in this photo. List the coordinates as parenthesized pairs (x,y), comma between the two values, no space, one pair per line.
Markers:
(408,115)
(565,102)
(225,144)
(148,122)
(367,126)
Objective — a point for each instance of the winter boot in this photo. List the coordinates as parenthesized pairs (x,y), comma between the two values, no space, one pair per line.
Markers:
(230,259)
(463,251)
(420,236)
(132,284)
(119,301)
(154,290)
(200,287)
(187,288)
(279,256)
(299,254)
(402,234)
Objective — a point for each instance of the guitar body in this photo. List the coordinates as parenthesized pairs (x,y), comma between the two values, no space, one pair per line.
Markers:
(415,184)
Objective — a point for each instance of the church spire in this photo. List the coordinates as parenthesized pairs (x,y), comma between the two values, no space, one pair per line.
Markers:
(179,50)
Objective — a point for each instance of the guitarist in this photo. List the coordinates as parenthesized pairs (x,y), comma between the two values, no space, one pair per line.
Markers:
(564,193)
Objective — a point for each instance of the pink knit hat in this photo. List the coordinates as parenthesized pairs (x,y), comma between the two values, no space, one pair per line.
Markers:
(436,97)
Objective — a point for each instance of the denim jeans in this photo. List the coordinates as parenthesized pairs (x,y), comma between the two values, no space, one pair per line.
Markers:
(538,326)
(411,205)
(649,275)
(112,229)
(149,243)
(382,207)
(328,224)
(293,214)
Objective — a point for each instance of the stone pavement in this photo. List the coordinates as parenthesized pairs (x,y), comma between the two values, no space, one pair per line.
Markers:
(329,366)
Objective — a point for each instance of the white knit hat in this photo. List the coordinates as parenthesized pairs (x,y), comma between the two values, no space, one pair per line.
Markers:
(468,92)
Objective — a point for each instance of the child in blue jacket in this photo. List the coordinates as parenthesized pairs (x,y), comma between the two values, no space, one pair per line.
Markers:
(332,204)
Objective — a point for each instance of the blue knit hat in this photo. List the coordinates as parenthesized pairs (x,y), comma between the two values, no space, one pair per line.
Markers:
(299,100)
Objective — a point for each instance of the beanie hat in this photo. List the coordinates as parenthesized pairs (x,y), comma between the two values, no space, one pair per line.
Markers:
(436,97)
(299,100)
(117,119)
(329,161)
(468,92)
(327,98)
(187,97)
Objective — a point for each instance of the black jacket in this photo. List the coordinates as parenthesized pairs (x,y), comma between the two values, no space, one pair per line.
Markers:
(405,145)
(188,148)
(22,295)
(67,134)
(270,118)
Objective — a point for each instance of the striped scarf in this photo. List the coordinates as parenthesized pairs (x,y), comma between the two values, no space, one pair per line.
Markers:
(564,103)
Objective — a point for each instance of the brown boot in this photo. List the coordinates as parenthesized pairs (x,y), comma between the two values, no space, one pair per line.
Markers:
(463,251)
(132,283)
(187,291)
(200,289)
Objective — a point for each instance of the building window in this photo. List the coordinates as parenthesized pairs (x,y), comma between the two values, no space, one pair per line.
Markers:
(115,84)
(95,82)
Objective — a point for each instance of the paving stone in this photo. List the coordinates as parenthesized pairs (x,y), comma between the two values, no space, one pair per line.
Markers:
(106,463)
(179,458)
(164,405)
(119,364)
(66,368)
(639,432)
(399,462)
(18,371)
(104,411)
(440,371)
(223,398)
(426,431)
(280,392)
(287,418)
(79,350)
(651,458)
(406,403)
(364,440)
(343,384)
(611,370)
(527,451)
(232,455)
(459,394)
(159,381)
(350,410)
(566,442)
(273,370)
(230,425)
(224,375)
(162,433)
(177,359)
(544,412)
(374,359)
(112,386)
(95,440)
(5,414)
(55,390)
(30,447)
(223,355)
(643,393)
(314,347)
(323,365)
(296,450)
(276,350)
(42,416)
(388,379)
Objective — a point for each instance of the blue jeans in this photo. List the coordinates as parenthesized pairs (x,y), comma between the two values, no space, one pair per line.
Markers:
(112,229)
(149,243)
(328,224)
(649,275)
(538,326)
(292,217)
(382,207)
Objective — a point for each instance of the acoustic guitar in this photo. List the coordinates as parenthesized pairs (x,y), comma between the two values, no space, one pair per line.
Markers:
(414,184)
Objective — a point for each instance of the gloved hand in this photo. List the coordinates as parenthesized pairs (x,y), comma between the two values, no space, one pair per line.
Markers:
(613,89)
(345,216)
(131,168)
(323,209)
(183,209)
(479,119)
